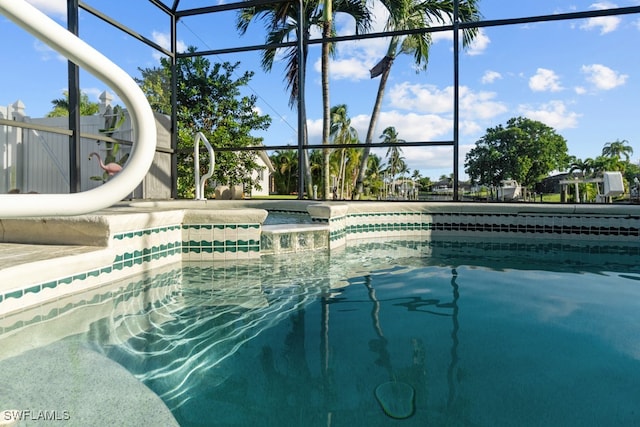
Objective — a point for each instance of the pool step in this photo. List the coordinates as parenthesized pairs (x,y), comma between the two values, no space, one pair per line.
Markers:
(292,238)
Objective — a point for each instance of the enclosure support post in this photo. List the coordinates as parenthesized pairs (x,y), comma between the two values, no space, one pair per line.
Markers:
(74,104)
(174,111)
(456,95)
(301,117)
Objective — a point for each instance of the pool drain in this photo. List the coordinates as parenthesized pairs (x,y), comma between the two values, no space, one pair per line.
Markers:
(396,399)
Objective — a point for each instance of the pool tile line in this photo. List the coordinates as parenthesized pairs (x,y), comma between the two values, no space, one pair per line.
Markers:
(138,257)
(540,225)
(146,232)
(52,284)
(119,296)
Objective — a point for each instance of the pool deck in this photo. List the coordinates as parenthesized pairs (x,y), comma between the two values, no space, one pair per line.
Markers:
(18,254)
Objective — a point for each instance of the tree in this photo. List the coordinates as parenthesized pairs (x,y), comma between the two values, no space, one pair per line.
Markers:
(374,176)
(285,163)
(425,183)
(357,10)
(525,150)
(209,101)
(281,22)
(618,149)
(394,153)
(412,15)
(584,166)
(341,132)
(631,173)
(61,106)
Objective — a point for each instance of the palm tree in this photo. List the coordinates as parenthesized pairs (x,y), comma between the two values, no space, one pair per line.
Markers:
(585,166)
(358,10)
(61,106)
(618,149)
(286,164)
(341,132)
(281,21)
(374,177)
(413,15)
(605,163)
(315,158)
(390,135)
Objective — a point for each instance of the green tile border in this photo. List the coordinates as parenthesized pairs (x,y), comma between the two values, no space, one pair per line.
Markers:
(140,256)
(133,289)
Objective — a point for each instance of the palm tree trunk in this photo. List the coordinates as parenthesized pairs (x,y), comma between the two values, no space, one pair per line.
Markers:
(307,165)
(372,125)
(343,166)
(326,108)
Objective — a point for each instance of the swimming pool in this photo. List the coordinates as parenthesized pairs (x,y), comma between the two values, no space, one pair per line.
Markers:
(470,332)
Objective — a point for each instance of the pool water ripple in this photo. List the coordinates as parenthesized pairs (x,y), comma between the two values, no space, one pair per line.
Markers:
(203,333)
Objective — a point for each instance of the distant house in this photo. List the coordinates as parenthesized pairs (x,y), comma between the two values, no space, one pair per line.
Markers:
(263,174)
(551,184)
(444,186)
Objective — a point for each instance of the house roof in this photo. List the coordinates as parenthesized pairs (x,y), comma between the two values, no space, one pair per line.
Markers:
(266,160)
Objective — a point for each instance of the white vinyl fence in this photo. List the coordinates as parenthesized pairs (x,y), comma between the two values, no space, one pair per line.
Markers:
(38,161)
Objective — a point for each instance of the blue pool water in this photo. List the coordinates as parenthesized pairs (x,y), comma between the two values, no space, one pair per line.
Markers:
(278,217)
(445,333)
(483,334)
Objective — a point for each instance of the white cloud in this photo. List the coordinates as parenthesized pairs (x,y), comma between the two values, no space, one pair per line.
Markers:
(490,76)
(469,127)
(580,90)
(410,126)
(164,40)
(413,127)
(545,81)
(479,104)
(46,53)
(345,69)
(476,47)
(425,98)
(479,43)
(351,68)
(553,113)
(603,77)
(56,8)
(605,24)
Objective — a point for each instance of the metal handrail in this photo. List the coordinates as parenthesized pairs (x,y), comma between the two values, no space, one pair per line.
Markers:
(142,119)
(200,181)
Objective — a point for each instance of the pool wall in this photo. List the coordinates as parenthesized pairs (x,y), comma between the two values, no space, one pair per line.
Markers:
(369,221)
(137,237)
(116,244)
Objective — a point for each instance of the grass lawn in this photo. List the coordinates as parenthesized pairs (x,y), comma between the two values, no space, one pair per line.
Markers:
(276,197)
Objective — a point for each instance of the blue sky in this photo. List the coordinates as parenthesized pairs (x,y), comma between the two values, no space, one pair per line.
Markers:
(577,76)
